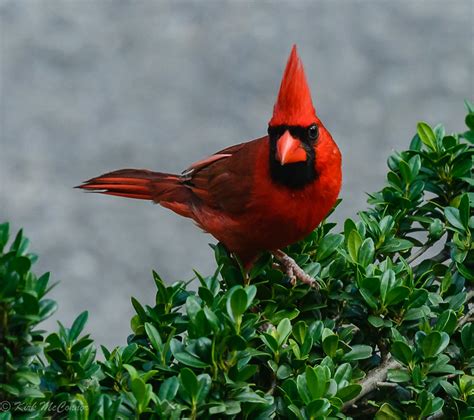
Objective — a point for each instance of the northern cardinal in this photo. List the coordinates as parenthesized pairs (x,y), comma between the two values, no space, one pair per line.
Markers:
(257,196)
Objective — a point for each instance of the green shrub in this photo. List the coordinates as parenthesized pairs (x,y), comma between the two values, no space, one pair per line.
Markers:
(388,333)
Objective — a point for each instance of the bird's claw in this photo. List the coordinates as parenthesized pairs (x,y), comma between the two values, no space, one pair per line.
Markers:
(293,270)
(290,272)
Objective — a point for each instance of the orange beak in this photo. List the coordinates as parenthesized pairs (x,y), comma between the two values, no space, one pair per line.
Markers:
(289,149)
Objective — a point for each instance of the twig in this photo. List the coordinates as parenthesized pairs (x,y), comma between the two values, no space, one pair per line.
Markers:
(370,382)
(376,377)
(267,326)
(419,253)
(438,415)
(469,314)
(442,256)
(273,385)
(470,295)
(386,385)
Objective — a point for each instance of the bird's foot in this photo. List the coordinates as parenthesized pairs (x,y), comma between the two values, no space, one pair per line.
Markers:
(293,270)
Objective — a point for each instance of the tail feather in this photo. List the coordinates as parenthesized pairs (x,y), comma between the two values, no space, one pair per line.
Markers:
(139,184)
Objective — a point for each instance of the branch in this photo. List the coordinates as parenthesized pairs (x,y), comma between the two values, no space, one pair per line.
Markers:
(419,253)
(442,256)
(470,295)
(375,378)
(470,313)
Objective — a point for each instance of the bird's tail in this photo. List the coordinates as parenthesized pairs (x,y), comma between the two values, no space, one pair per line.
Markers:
(162,188)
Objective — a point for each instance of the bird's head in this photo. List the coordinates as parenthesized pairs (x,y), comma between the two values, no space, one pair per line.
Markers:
(294,128)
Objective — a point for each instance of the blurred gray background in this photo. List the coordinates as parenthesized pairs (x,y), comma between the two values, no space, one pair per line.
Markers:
(92,86)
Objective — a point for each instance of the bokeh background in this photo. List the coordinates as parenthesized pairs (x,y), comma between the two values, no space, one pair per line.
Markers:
(91,86)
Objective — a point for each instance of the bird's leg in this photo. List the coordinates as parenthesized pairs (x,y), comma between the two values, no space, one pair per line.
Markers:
(293,270)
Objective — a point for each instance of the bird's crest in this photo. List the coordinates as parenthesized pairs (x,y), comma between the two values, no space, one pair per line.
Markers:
(294,105)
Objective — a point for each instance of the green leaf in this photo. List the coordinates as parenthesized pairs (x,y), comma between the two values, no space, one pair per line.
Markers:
(16,245)
(450,389)
(398,375)
(366,252)
(250,397)
(110,407)
(277,317)
(375,321)
(402,352)
(270,342)
(464,210)
(447,322)
(453,217)
(397,294)
(469,106)
(434,343)
(456,301)
(302,387)
(139,309)
(415,166)
(318,408)
(237,303)
(388,278)
(193,307)
(283,331)
(4,235)
(343,373)
(349,392)
(189,382)
(418,298)
(405,172)
(21,265)
(464,271)
(283,371)
(153,336)
(414,314)
(387,412)
(29,377)
(426,135)
(328,245)
(47,307)
(78,326)
(396,245)
(415,143)
(369,298)
(189,360)
(138,389)
(330,344)
(248,371)
(251,293)
(211,318)
(467,336)
(353,244)
(315,382)
(470,120)
(358,352)
(312,269)
(299,331)
(169,389)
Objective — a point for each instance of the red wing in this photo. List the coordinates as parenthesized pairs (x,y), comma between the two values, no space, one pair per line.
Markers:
(224,179)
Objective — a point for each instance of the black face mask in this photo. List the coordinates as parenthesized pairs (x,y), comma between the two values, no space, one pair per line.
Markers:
(298,174)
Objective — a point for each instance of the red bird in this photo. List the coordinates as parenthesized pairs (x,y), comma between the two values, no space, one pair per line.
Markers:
(257,196)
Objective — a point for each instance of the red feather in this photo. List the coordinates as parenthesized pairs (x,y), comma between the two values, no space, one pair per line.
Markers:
(294,105)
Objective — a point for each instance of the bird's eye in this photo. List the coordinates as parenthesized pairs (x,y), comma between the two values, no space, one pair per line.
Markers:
(313,132)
